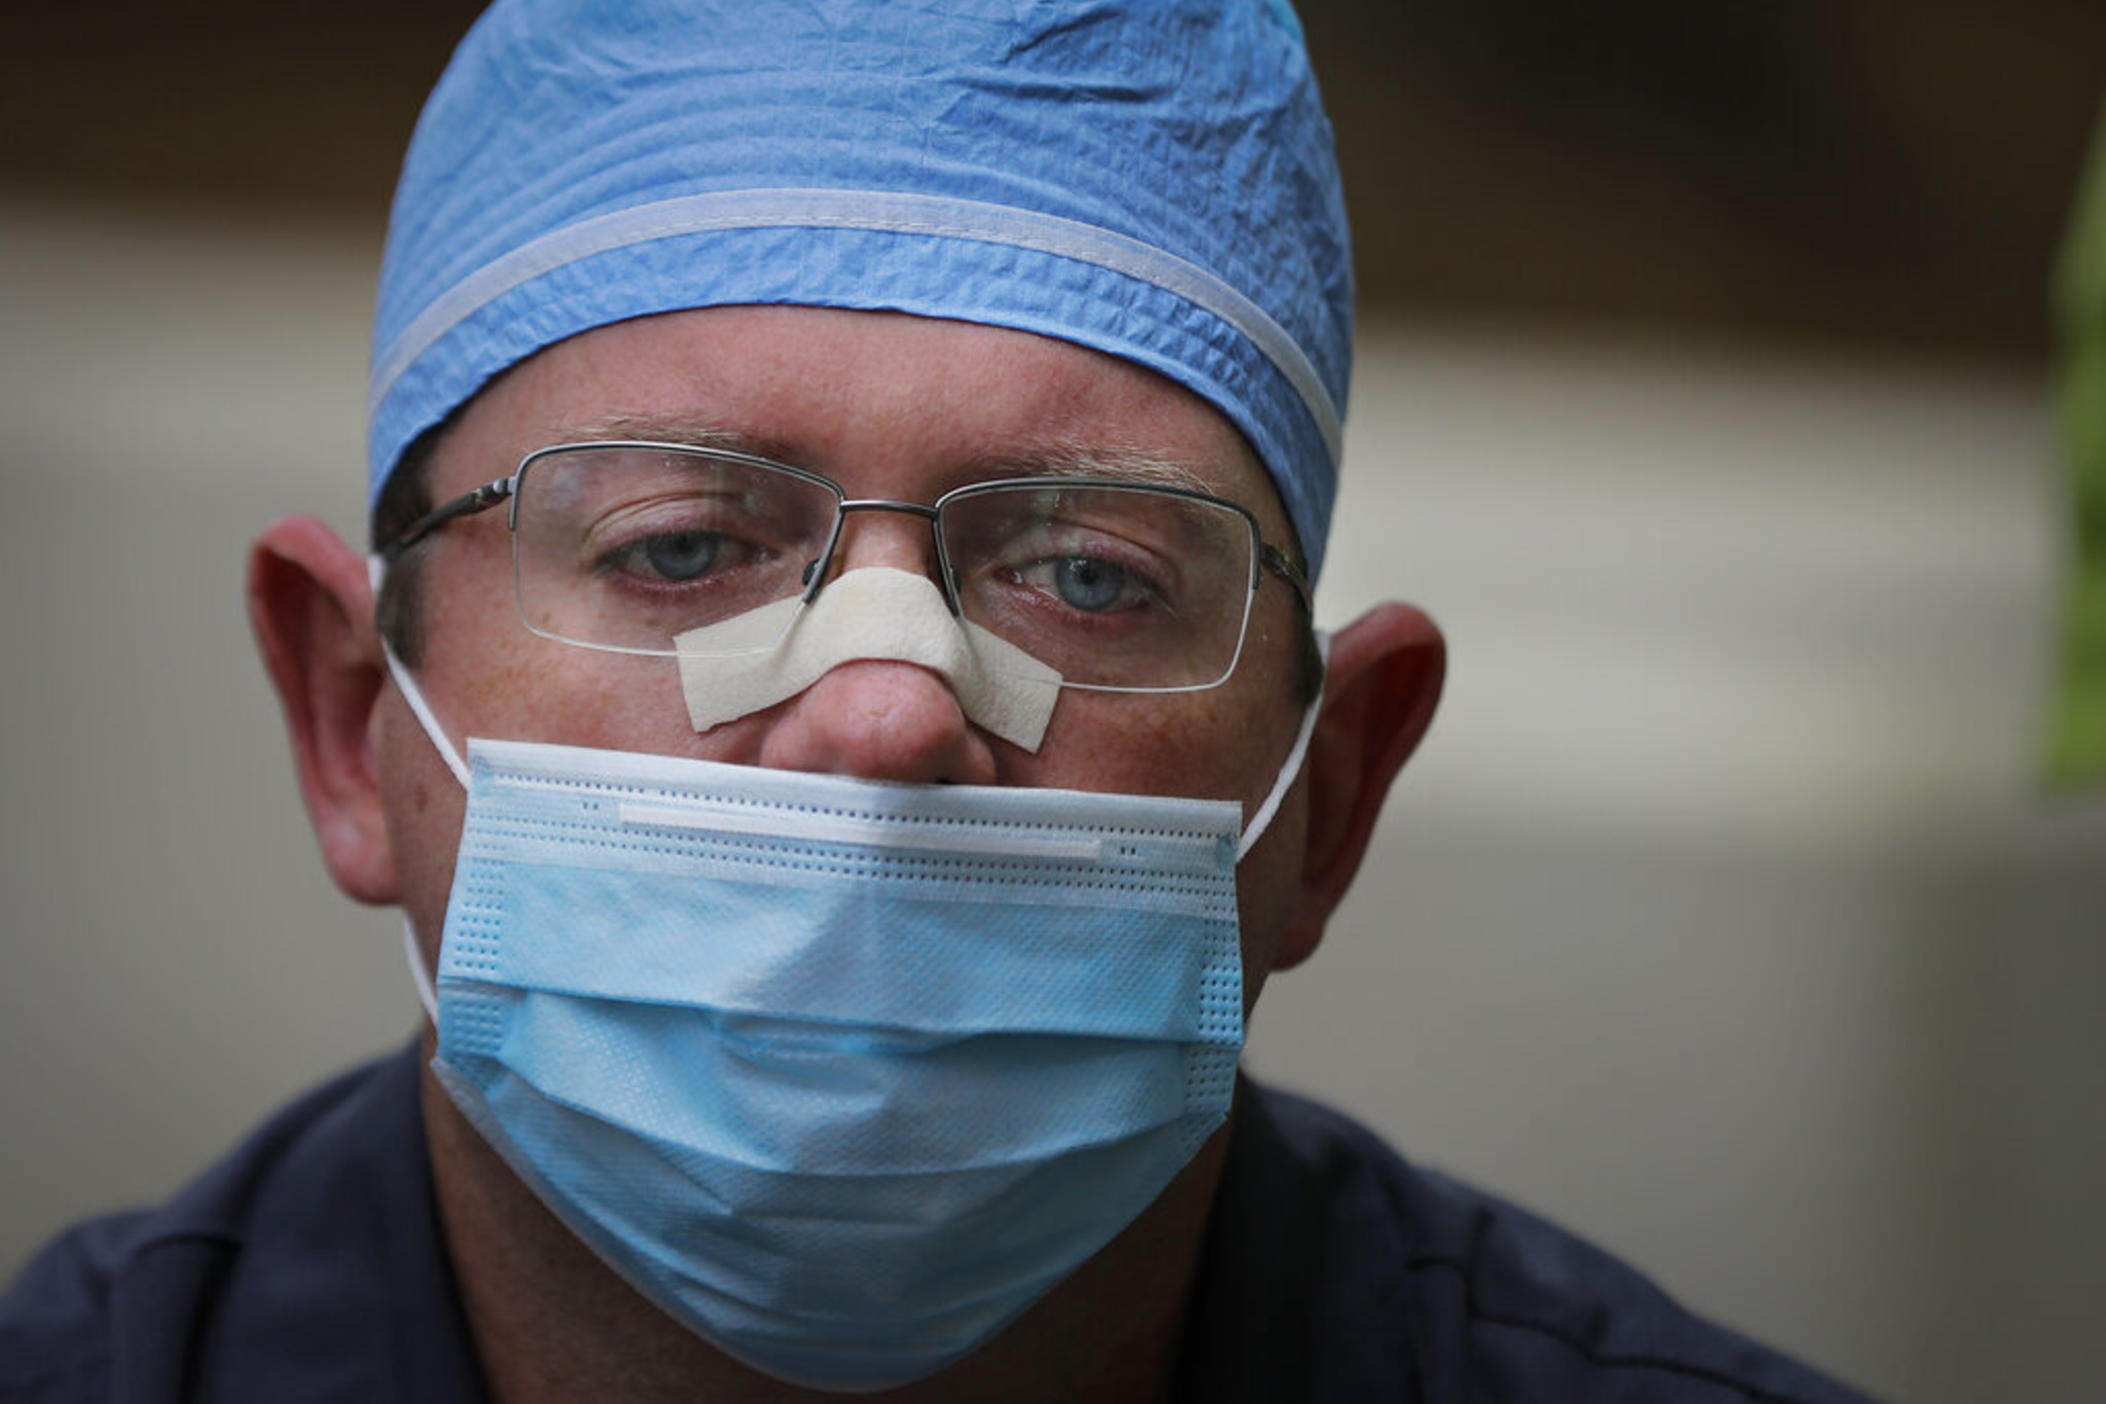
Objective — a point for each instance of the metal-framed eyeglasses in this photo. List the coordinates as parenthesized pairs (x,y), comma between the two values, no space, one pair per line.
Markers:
(1121,586)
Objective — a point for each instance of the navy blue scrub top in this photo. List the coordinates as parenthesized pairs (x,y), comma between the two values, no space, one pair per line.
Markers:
(308,1266)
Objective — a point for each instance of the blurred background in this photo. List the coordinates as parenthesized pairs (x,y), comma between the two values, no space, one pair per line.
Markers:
(1706,394)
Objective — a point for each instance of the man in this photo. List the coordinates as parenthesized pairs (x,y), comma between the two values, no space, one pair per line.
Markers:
(835,697)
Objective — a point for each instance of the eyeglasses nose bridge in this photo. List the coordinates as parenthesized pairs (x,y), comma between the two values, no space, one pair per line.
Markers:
(819,571)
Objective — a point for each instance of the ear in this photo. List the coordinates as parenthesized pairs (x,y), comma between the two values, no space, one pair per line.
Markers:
(311,605)
(1380,690)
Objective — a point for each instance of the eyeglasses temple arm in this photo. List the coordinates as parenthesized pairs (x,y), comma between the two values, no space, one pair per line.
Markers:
(1277,561)
(466,505)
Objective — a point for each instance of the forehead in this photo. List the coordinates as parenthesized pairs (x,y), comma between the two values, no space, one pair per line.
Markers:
(886,403)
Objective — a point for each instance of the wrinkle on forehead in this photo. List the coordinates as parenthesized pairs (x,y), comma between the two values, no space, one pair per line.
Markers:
(1119,464)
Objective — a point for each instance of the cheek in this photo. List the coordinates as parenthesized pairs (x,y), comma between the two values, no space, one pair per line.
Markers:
(535,689)
(488,675)
(1204,745)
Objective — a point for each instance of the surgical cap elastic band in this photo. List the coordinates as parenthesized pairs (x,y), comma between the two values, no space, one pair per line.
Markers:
(876,210)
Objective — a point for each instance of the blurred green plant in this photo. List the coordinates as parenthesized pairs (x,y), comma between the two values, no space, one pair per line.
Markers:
(2077,751)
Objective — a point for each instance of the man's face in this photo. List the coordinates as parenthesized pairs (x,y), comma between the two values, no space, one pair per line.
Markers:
(889,406)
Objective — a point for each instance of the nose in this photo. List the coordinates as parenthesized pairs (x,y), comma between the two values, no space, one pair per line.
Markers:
(878,719)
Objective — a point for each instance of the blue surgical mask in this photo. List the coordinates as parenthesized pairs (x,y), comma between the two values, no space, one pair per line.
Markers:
(841,1075)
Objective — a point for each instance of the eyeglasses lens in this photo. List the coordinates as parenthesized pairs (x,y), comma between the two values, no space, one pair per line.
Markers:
(628,547)
(1112,586)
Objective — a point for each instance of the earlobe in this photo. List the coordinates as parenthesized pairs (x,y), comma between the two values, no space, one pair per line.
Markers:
(1380,692)
(311,607)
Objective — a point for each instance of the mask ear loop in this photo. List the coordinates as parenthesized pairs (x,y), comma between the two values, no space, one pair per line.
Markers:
(376,571)
(426,995)
(1292,766)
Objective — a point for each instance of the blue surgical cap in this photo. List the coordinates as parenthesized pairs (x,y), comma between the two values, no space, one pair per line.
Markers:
(1151,178)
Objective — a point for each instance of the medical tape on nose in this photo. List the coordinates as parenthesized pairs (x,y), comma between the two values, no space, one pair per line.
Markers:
(749,663)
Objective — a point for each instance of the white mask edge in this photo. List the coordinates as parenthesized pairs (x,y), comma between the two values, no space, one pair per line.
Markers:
(1292,766)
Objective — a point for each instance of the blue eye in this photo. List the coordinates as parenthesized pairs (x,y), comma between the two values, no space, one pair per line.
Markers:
(1088,582)
(679,555)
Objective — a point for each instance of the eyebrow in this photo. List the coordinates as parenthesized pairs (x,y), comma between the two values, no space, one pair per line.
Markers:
(1120,465)
(1063,461)
(686,433)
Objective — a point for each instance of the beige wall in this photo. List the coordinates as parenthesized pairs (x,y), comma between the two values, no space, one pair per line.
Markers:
(1717,918)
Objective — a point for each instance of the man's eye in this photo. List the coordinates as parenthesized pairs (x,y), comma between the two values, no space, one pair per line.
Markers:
(1087,583)
(673,555)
